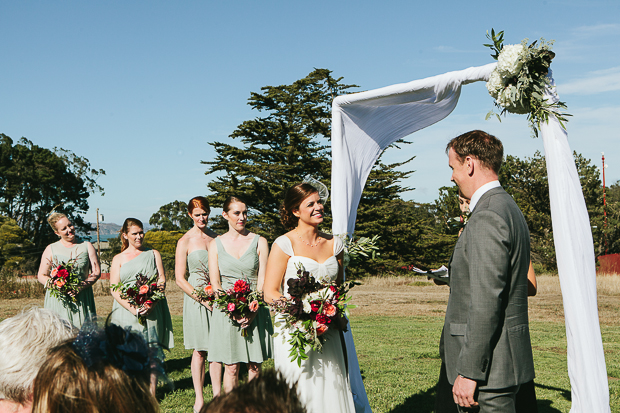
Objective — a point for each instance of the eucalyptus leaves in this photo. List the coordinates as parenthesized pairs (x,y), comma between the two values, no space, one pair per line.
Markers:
(519,80)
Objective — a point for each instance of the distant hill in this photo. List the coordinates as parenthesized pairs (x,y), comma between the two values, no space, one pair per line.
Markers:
(108,230)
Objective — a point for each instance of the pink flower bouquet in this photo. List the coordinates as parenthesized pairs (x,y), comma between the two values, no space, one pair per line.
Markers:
(312,309)
(239,301)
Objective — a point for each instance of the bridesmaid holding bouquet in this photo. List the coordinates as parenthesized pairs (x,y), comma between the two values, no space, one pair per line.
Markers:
(79,303)
(193,253)
(133,260)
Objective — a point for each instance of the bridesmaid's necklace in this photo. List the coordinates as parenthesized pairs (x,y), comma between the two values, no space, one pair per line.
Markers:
(318,240)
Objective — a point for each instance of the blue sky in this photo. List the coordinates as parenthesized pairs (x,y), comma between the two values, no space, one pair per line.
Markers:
(141,87)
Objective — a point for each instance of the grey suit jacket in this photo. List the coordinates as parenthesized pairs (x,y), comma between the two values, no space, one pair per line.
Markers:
(486,333)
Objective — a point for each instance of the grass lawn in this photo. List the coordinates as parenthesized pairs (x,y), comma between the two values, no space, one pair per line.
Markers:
(399,360)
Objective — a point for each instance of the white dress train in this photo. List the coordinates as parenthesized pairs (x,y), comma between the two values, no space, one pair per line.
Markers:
(322,380)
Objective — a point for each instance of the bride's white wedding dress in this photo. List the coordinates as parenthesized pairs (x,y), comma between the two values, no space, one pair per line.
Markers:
(322,380)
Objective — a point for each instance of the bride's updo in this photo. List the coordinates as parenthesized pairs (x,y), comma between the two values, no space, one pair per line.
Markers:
(294,196)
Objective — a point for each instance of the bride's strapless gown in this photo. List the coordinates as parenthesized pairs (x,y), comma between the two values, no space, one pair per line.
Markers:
(322,380)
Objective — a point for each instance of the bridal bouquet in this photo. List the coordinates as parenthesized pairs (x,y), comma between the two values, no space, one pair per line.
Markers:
(144,292)
(64,282)
(460,221)
(204,291)
(519,80)
(312,309)
(239,301)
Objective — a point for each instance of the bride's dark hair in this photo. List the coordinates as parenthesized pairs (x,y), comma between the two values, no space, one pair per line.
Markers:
(294,196)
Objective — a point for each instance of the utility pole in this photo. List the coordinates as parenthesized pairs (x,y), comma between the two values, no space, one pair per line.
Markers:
(604,206)
(98,242)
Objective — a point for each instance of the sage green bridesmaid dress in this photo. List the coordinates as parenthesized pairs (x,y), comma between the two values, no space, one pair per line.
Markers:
(76,313)
(158,326)
(226,344)
(196,317)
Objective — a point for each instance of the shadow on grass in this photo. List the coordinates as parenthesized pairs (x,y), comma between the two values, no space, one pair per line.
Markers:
(181,364)
(565,393)
(544,406)
(423,402)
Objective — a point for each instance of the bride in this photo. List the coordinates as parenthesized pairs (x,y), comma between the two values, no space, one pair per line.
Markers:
(322,379)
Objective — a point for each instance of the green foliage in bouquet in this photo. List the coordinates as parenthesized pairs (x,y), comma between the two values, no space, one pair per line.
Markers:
(518,82)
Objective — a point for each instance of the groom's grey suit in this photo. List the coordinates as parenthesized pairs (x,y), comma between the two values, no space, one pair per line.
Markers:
(486,334)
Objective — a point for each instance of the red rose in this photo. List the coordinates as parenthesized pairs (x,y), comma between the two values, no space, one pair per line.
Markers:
(315,305)
(323,319)
(243,299)
(333,288)
(63,273)
(240,286)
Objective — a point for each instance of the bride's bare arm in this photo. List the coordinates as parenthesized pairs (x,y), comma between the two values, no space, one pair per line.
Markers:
(340,277)
(276,267)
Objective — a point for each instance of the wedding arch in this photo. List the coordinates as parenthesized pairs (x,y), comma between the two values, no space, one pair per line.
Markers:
(364,124)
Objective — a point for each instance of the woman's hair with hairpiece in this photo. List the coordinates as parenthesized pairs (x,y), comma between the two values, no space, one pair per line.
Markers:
(129,222)
(104,370)
(292,200)
(25,340)
(54,218)
(198,202)
(230,200)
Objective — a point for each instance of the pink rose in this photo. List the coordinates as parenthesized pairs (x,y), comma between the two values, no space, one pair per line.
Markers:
(231,307)
(329,309)
(254,306)
(320,329)
(60,283)
(54,272)
(144,289)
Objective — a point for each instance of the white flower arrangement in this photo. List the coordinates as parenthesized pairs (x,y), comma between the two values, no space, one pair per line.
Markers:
(518,82)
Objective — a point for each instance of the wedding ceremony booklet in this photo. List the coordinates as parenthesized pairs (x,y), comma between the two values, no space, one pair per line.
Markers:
(440,274)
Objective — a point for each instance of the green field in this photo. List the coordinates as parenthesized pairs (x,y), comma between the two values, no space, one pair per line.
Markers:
(399,360)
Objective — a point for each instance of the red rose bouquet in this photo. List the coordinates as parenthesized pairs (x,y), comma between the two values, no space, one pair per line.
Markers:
(312,309)
(143,293)
(64,282)
(204,291)
(240,301)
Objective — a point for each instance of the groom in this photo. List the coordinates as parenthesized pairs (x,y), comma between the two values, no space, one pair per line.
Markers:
(486,342)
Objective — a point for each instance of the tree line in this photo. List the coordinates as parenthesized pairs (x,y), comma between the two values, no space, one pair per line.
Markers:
(287,140)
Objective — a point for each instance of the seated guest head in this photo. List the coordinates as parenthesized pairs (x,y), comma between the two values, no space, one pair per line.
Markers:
(25,340)
(269,393)
(104,370)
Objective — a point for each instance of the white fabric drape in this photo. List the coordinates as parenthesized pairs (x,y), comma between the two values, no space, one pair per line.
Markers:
(366,123)
(576,267)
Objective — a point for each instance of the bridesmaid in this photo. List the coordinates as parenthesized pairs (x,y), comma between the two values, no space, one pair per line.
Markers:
(133,259)
(70,247)
(193,252)
(238,254)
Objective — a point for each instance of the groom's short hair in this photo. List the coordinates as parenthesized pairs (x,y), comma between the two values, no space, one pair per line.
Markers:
(480,145)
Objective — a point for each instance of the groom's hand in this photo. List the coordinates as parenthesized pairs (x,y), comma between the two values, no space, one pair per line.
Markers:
(463,391)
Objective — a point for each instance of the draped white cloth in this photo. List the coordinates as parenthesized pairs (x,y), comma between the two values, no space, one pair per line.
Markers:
(366,123)
(576,267)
